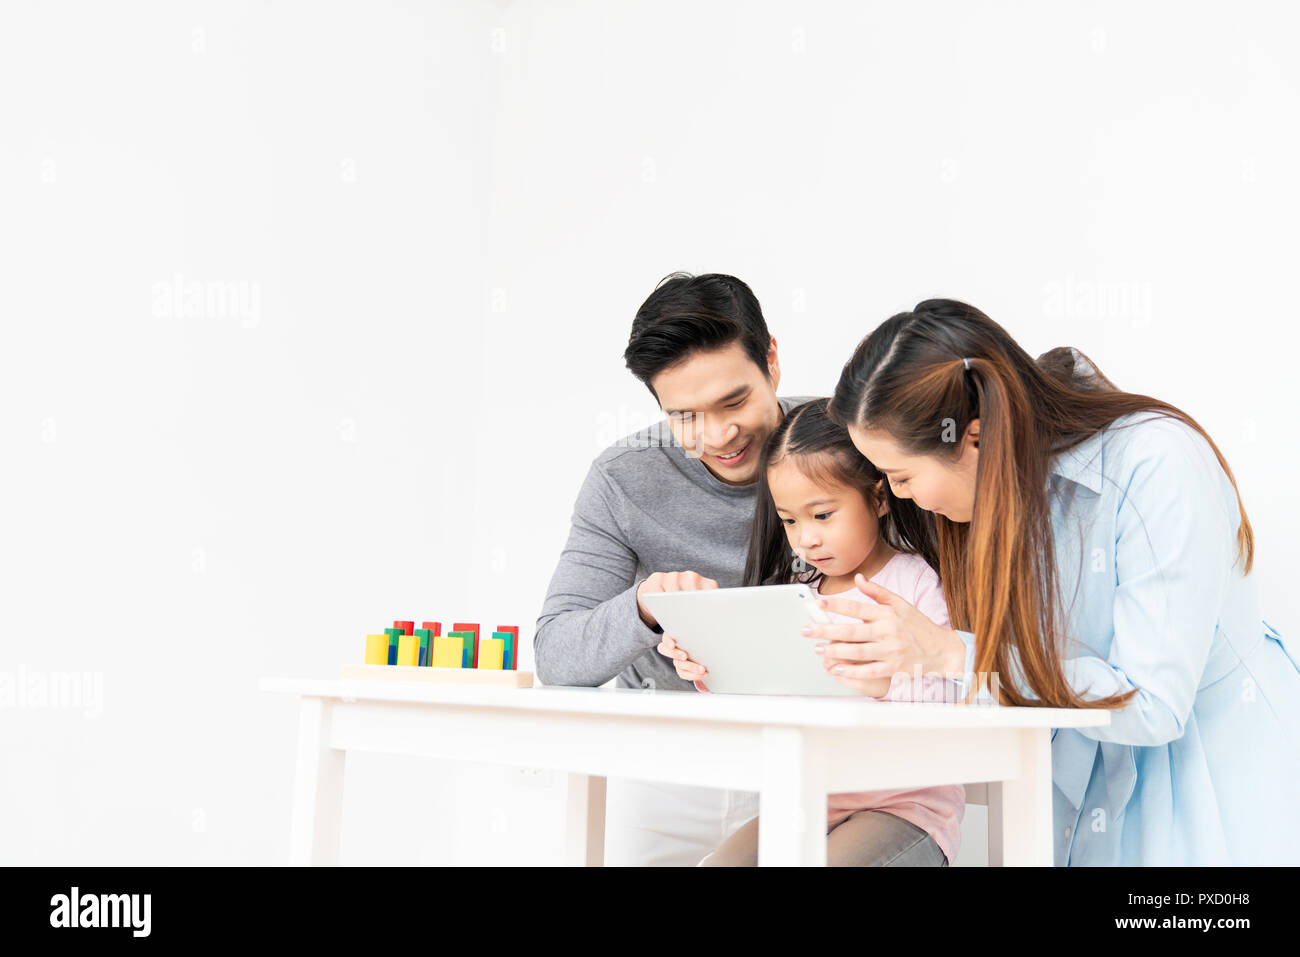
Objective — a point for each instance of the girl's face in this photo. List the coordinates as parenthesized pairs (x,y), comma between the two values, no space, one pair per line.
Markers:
(936,485)
(831,528)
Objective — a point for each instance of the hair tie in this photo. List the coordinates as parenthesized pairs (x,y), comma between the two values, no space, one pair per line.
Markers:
(966,363)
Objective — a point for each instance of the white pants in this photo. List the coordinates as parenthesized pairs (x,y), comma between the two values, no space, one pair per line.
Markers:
(650,824)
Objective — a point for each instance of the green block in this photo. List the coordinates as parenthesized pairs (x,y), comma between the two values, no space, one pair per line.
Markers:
(508,659)
(426,640)
(467,652)
(393,634)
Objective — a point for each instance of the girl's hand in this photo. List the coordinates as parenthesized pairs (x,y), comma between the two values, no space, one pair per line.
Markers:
(888,637)
(687,670)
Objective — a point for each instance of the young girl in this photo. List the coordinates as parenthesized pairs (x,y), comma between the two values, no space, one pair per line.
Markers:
(822,516)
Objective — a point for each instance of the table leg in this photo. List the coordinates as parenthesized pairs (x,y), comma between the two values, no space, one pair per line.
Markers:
(1024,818)
(317,819)
(792,800)
(584,834)
(995,819)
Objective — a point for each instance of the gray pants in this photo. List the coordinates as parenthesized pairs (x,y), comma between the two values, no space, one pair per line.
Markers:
(863,839)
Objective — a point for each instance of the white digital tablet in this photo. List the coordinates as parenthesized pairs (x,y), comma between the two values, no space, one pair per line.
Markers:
(748,638)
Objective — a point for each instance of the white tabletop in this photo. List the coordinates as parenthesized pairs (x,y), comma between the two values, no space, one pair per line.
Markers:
(800,710)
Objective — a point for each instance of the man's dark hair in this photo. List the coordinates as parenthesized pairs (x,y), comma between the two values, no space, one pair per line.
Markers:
(687,314)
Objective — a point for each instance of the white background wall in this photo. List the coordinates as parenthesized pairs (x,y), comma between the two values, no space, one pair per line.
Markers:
(438,220)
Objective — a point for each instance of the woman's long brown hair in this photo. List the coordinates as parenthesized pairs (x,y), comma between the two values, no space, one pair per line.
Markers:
(908,379)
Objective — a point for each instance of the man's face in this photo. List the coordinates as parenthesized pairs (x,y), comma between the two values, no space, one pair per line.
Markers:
(720,402)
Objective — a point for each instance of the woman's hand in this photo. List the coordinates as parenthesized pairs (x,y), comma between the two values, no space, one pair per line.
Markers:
(687,670)
(889,637)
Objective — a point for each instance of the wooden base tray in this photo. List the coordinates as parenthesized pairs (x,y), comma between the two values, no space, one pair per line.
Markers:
(451,676)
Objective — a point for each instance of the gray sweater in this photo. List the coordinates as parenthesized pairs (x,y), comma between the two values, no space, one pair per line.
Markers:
(645,506)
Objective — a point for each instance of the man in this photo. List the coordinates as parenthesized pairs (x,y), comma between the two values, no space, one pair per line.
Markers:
(666,510)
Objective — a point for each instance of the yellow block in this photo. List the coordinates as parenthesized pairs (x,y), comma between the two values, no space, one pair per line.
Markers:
(491,653)
(408,650)
(447,651)
(376,649)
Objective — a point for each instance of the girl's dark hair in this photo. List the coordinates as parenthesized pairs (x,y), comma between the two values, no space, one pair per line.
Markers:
(825,453)
(921,377)
(687,314)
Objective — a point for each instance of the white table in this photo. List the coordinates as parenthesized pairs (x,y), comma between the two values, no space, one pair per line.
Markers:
(792,750)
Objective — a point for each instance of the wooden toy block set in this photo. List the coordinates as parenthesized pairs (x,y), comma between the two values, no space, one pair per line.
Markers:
(407,653)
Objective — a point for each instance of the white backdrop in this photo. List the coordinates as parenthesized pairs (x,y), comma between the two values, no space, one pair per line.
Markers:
(313,315)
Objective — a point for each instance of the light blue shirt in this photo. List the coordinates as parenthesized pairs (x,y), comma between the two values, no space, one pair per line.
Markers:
(1203,765)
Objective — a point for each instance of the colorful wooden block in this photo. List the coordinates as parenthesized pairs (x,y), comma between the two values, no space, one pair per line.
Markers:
(408,650)
(508,653)
(424,636)
(467,643)
(393,634)
(470,627)
(376,649)
(426,646)
(448,652)
(490,653)
(514,654)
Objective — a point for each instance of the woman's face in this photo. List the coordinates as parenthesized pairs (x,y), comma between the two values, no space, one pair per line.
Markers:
(832,528)
(944,487)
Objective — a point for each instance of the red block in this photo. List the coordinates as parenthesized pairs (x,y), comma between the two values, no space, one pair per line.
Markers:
(434,626)
(514,659)
(407,626)
(462,626)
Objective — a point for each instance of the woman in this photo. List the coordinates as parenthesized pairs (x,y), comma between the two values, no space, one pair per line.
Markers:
(1094,553)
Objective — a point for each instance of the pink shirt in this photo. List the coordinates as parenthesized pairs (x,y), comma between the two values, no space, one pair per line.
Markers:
(936,810)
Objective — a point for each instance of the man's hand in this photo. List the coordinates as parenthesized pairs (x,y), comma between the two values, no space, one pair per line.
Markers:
(669,581)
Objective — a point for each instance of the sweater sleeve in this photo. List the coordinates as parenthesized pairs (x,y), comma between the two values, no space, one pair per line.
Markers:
(589,629)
